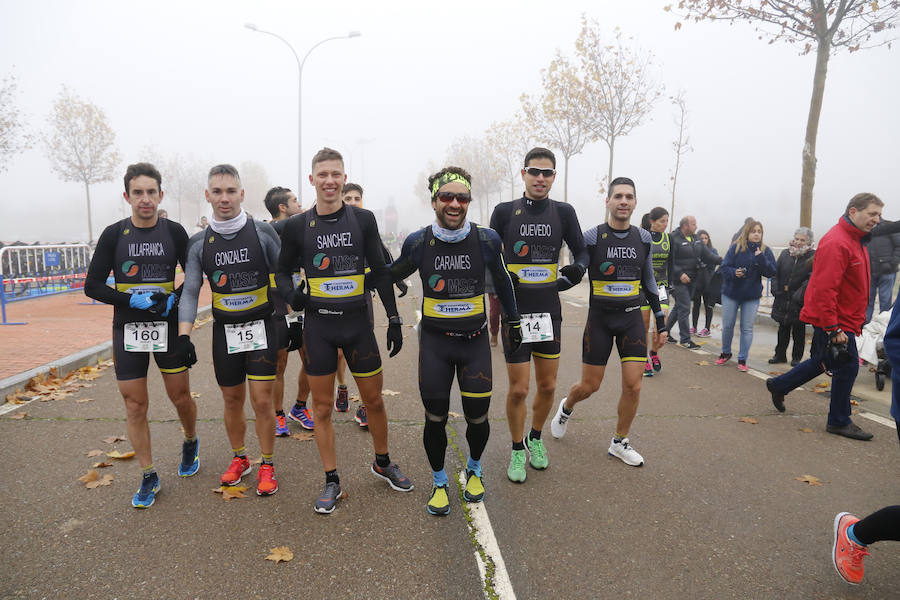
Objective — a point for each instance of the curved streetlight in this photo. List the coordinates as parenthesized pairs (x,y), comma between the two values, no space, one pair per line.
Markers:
(300,63)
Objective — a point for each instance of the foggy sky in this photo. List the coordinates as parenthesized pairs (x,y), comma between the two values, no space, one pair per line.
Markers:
(187,77)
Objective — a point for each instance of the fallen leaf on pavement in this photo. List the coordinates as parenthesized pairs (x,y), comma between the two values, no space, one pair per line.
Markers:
(776,373)
(195,394)
(809,479)
(703,363)
(90,476)
(750,420)
(819,391)
(93,453)
(389,393)
(233,492)
(101,465)
(105,480)
(19,416)
(303,437)
(120,455)
(354,398)
(83,400)
(113,439)
(453,414)
(824,384)
(18,397)
(280,554)
(805,430)
(854,403)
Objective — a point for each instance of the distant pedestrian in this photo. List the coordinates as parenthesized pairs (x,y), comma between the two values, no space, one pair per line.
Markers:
(892,349)
(747,261)
(792,272)
(162,214)
(656,222)
(884,258)
(708,291)
(688,254)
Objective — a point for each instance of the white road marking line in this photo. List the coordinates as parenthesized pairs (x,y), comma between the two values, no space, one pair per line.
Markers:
(878,419)
(484,535)
(7,408)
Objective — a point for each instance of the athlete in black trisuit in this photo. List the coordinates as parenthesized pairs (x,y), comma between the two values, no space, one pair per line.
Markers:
(621,273)
(332,242)
(533,229)
(451,256)
(237,255)
(142,252)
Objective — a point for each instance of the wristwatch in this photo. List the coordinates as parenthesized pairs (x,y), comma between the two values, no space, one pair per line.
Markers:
(396,320)
(835,332)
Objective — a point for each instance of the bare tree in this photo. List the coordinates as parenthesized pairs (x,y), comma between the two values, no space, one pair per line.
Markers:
(510,141)
(13,137)
(476,156)
(682,143)
(620,82)
(854,25)
(81,146)
(184,181)
(558,115)
(256,183)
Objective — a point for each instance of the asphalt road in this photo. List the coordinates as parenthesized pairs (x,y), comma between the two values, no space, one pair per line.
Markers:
(716,512)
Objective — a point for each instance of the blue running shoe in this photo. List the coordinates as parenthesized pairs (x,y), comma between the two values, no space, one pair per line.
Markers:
(190,458)
(302,416)
(146,495)
(395,478)
(281,428)
(328,498)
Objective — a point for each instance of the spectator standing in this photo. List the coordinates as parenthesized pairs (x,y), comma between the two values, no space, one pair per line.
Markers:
(792,272)
(884,258)
(708,291)
(743,267)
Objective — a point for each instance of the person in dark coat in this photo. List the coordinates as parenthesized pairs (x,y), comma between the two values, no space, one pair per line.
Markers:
(884,258)
(707,292)
(792,271)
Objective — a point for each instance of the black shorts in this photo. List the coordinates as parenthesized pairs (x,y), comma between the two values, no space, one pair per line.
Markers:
(256,365)
(351,332)
(441,357)
(549,349)
(134,365)
(603,327)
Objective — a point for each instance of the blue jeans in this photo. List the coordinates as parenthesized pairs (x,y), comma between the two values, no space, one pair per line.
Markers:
(883,285)
(843,376)
(729,316)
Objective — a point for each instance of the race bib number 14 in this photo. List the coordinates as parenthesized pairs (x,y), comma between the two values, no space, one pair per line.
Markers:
(152,336)
(246,337)
(536,327)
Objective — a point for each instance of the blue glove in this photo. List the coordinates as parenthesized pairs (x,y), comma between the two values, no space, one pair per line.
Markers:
(170,304)
(141,300)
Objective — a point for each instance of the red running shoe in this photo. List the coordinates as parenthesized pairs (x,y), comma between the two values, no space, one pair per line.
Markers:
(266,484)
(239,467)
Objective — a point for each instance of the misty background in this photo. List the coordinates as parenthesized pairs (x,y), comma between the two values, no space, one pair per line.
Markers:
(187,79)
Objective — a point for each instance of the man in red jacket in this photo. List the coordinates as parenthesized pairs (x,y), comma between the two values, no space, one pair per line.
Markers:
(835,305)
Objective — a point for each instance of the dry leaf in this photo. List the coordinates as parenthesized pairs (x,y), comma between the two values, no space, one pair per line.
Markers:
(101,465)
(195,394)
(809,479)
(19,416)
(113,439)
(280,554)
(703,363)
(354,398)
(805,430)
(105,480)
(389,393)
(694,387)
(18,397)
(454,414)
(91,475)
(819,391)
(120,455)
(83,400)
(233,491)
(776,373)
(750,420)
(257,461)
(303,437)
(824,384)
(854,403)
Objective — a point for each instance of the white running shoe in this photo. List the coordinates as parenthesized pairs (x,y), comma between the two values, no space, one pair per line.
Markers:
(623,450)
(558,425)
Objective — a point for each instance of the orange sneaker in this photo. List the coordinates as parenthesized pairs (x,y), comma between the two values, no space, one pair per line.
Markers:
(266,484)
(239,467)
(847,555)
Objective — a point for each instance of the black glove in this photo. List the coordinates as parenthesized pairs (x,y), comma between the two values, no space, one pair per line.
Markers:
(514,334)
(295,335)
(394,335)
(298,297)
(184,350)
(162,303)
(401,285)
(661,324)
(573,273)
(515,280)
(369,280)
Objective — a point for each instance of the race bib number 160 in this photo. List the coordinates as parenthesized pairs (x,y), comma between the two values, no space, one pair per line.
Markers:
(152,336)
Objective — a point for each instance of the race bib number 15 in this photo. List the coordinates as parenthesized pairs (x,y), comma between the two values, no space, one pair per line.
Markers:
(246,337)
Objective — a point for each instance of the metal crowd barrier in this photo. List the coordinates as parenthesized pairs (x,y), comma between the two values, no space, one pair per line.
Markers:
(35,271)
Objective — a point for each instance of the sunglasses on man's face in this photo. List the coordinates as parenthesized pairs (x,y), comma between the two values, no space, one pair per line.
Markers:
(534,172)
(448,197)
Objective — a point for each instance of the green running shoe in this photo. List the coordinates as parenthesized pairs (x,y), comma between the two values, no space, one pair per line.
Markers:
(538,453)
(516,470)
(439,503)
(474,491)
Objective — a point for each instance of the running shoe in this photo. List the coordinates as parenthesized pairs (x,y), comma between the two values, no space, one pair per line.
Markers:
(190,458)
(516,470)
(439,503)
(342,399)
(742,366)
(281,428)
(328,498)
(847,555)
(657,364)
(239,467)
(560,421)
(474,491)
(623,451)
(146,494)
(704,333)
(302,416)
(648,370)
(361,416)
(395,478)
(690,345)
(723,358)
(266,484)
(539,459)
(693,330)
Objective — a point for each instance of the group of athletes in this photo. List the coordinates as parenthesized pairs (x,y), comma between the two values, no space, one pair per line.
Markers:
(305,280)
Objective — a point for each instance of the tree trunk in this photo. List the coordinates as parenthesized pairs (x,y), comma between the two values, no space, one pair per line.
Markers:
(87,193)
(612,146)
(512,187)
(808,179)
(566,182)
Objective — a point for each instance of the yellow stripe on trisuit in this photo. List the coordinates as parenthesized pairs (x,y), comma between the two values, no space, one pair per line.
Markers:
(446,308)
(534,274)
(369,374)
(616,289)
(337,287)
(166,286)
(242,301)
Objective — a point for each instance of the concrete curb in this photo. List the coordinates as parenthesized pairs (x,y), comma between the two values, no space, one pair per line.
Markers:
(89,356)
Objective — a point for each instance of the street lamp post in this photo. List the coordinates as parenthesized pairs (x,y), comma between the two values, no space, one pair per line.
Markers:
(300,63)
